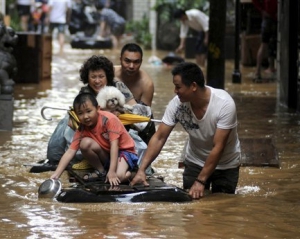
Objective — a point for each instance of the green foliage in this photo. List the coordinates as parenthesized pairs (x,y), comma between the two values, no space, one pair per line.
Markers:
(140,31)
(15,24)
(165,8)
(13,13)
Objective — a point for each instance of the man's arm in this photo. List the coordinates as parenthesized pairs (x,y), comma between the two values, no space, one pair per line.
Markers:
(148,89)
(154,147)
(184,28)
(181,45)
(220,140)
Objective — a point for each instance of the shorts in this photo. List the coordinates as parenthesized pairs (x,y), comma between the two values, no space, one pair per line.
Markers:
(60,27)
(131,159)
(118,29)
(200,47)
(23,10)
(269,34)
(221,181)
(268,29)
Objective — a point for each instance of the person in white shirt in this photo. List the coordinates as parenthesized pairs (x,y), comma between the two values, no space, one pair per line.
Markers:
(198,21)
(212,154)
(58,17)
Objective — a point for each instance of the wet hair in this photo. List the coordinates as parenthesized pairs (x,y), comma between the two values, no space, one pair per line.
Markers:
(132,47)
(98,5)
(82,98)
(189,72)
(178,13)
(95,63)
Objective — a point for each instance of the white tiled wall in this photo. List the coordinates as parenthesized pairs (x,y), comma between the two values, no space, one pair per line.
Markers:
(2,6)
(140,8)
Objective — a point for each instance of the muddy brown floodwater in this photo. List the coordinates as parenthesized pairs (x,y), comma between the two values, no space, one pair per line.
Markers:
(266,204)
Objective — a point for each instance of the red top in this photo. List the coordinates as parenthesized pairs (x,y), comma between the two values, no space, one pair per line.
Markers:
(267,7)
(108,128)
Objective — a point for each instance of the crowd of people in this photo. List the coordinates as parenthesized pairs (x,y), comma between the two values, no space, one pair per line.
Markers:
(212,153)
(44,16)
(101,142)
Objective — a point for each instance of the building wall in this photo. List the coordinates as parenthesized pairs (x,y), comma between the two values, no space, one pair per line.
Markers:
(2,6)
(140,9)
(153,24)
(143,8)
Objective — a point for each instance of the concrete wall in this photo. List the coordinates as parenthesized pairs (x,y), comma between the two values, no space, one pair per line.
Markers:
(140,9)
(153,24)
(2,6)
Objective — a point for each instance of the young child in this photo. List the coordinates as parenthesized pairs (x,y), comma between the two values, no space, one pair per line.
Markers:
(103,141)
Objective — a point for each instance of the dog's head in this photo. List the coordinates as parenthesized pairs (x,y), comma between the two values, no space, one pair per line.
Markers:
(110,98)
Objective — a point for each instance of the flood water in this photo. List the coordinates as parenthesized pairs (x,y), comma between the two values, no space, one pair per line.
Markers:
(266,204)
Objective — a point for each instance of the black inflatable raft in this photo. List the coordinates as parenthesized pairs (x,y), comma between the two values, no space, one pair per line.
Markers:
(81,43)
(99,191)
(157,191)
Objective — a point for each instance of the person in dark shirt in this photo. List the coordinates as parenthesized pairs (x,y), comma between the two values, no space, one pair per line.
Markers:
(111,23)
(268,9)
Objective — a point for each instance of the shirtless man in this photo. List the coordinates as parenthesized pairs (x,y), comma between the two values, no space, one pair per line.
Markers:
(137,80)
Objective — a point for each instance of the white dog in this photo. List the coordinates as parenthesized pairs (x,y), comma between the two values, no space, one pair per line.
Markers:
(111,99)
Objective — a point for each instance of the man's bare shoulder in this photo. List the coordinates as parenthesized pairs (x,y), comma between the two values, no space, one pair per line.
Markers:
(145,76)
(118,72)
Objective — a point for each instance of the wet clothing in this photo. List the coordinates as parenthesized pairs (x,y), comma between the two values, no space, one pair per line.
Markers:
(268,6)
(220,113)
(115,22)
(108,128)
(60,27)
(221,181)
(59,8)
(269,24)
(200,47)
(269,35)
(131,159)
(62,136)
(23,7)
(197,20)
(148,131)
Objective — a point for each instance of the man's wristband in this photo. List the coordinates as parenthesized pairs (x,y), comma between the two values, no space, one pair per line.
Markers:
(200,181)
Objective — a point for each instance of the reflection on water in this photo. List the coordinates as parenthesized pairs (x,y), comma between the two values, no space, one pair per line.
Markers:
(267,199)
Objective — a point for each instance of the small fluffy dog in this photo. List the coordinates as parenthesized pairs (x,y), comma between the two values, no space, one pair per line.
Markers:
(111,99)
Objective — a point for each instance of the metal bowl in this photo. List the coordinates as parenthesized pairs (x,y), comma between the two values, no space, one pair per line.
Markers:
(49,188)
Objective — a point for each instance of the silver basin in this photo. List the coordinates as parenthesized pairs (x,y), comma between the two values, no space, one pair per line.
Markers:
(49,188)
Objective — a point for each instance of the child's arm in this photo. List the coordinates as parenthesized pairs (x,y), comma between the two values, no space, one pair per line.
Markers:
(63,163)
(114,155)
